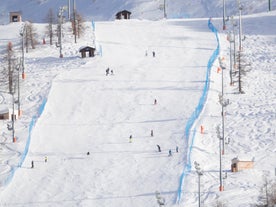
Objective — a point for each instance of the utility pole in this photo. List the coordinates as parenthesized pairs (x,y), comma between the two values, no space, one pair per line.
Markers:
(223,104)
(69,10)
(240,44)
(13,118)
(231,40)
(22,34)
(240,26)
(221,188)
(165,14)
(223,18)
(239,78)
(18,87)
(234,24)
(74,19)
(60,20)
(199,173)
(22,63)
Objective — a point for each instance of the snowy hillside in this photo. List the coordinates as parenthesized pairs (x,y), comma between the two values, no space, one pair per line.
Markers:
(141,9)
(89,133)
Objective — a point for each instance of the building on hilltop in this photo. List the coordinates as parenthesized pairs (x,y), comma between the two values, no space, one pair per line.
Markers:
(16,16)
(123,14)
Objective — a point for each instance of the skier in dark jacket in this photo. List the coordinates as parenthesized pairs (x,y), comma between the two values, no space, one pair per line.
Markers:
(159,148)
(107,71)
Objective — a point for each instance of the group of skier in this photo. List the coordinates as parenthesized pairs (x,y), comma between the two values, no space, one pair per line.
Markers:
(107,71)
(151,134)
(45,160)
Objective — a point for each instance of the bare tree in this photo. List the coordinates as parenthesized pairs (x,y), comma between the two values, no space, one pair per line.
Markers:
(30,36)
(80,25)
(9,72)
(50,18)
(268,193)
(3,75)
(77,25)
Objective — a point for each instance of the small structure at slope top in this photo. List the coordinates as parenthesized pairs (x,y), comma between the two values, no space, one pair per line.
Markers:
(123,14)
(15,16)
(238,165)
(87,49)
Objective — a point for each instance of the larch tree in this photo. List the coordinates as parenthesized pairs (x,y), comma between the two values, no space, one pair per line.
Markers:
(50,19)
(30,36)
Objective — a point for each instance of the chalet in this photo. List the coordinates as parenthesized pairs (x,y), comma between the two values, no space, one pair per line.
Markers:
(238,165)
(123,14)
(87,49)
(15,16)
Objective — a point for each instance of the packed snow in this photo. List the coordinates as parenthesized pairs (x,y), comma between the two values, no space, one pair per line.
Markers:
(90,132)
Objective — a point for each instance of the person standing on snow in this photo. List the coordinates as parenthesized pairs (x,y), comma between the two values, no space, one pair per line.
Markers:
(130,139)
(107,71)
(159,148)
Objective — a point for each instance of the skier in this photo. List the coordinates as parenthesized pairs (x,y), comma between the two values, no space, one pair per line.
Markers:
(107,71)
(130,139)
(176,149)
(88,153)
(111,72)
(159,148)
(46,159)
(151,133)
(153,54)
(155,101)
(170,153)
(32,163)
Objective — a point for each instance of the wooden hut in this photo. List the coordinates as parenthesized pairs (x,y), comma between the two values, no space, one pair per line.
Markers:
(123,14)
(6,113)
(238,165)
(87,49)
(15,16)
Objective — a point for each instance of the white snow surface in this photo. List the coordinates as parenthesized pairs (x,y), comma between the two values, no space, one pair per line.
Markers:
(87,111)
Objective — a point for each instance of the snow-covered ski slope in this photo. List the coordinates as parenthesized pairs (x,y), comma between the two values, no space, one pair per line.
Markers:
(87,111)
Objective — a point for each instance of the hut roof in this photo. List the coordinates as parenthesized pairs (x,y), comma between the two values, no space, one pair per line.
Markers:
(86,48)
(4,109)
(123,11)
(16,12)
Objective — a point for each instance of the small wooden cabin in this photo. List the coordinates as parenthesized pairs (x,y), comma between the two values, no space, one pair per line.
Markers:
(6,113)
(238,165)
(15,16)
(123,14)
(87,49)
